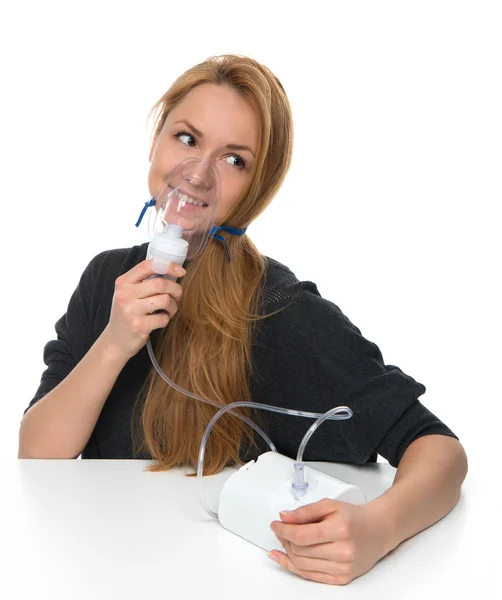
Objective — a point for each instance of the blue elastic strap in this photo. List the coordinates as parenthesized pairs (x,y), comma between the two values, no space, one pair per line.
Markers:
(214,230)
(149,203)
(231,230)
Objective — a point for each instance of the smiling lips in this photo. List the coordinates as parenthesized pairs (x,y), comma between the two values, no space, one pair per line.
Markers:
(188,200)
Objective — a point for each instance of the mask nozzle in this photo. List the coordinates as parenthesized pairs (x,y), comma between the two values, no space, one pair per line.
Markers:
(299,484)
(173,231)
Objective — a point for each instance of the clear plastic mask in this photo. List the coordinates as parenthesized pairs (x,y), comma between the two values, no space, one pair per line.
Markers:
(189,198)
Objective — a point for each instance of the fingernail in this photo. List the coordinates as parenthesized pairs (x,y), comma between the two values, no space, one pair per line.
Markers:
(286,512)
(180,270)
(274,557)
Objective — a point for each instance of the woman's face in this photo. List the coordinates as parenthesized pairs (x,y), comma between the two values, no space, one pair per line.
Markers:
(215,124)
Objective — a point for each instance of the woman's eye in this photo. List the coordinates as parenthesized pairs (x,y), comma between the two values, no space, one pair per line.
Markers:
(186,138)
(237,161)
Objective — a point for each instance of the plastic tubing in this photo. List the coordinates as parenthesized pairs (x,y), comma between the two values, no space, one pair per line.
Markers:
(197,397)
(299,485)
(313,428)
(332,414)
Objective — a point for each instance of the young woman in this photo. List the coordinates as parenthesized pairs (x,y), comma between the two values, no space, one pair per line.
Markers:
(239,329)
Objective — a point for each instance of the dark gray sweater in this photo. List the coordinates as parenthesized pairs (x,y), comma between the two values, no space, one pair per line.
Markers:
(309,356)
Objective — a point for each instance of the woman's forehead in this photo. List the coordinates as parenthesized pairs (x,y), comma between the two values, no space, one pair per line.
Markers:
(218,112)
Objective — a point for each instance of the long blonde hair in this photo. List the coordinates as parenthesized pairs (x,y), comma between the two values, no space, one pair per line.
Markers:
(207,346)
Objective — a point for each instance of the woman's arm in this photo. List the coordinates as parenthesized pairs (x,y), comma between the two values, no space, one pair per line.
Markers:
(60,424)
(426,487)
(335,542)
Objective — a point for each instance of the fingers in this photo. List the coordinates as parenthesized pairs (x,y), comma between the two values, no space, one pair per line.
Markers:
(158,321)
(158,302)
(303,535)
(158,285)
(142,303)
(333,551)
(314,569)
(308,564)
(310,513)
(143,270)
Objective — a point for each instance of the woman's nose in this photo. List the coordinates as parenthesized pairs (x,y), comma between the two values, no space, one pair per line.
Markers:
(200,181)
(201,175)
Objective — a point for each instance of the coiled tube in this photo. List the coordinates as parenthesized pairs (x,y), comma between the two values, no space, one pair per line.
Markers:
(197,397)
(331,414)
(299,486)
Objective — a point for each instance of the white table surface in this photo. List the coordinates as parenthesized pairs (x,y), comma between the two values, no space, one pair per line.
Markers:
(106,529)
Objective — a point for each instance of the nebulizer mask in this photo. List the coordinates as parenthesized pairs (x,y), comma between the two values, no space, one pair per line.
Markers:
(254,495)
(186,206)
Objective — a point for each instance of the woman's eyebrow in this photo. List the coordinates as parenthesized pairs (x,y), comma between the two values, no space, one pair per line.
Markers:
(188,124)
(237,147)
(201,135)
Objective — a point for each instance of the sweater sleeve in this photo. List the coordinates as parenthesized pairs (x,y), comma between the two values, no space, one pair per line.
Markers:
(311,357)
(73,335)
(415,422)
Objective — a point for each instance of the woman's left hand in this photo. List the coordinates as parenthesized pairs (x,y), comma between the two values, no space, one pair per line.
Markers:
(330,541)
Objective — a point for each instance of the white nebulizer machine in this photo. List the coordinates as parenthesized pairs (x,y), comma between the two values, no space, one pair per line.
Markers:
(253,496)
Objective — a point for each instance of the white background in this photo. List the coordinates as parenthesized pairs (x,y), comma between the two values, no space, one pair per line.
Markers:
(395,185)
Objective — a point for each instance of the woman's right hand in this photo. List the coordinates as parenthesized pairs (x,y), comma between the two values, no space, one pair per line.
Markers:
(136,297)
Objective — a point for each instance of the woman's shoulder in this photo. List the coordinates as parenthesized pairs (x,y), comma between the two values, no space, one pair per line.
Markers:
(282,285)
(110,264)
(278,274)
(97,283)
(304,306)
